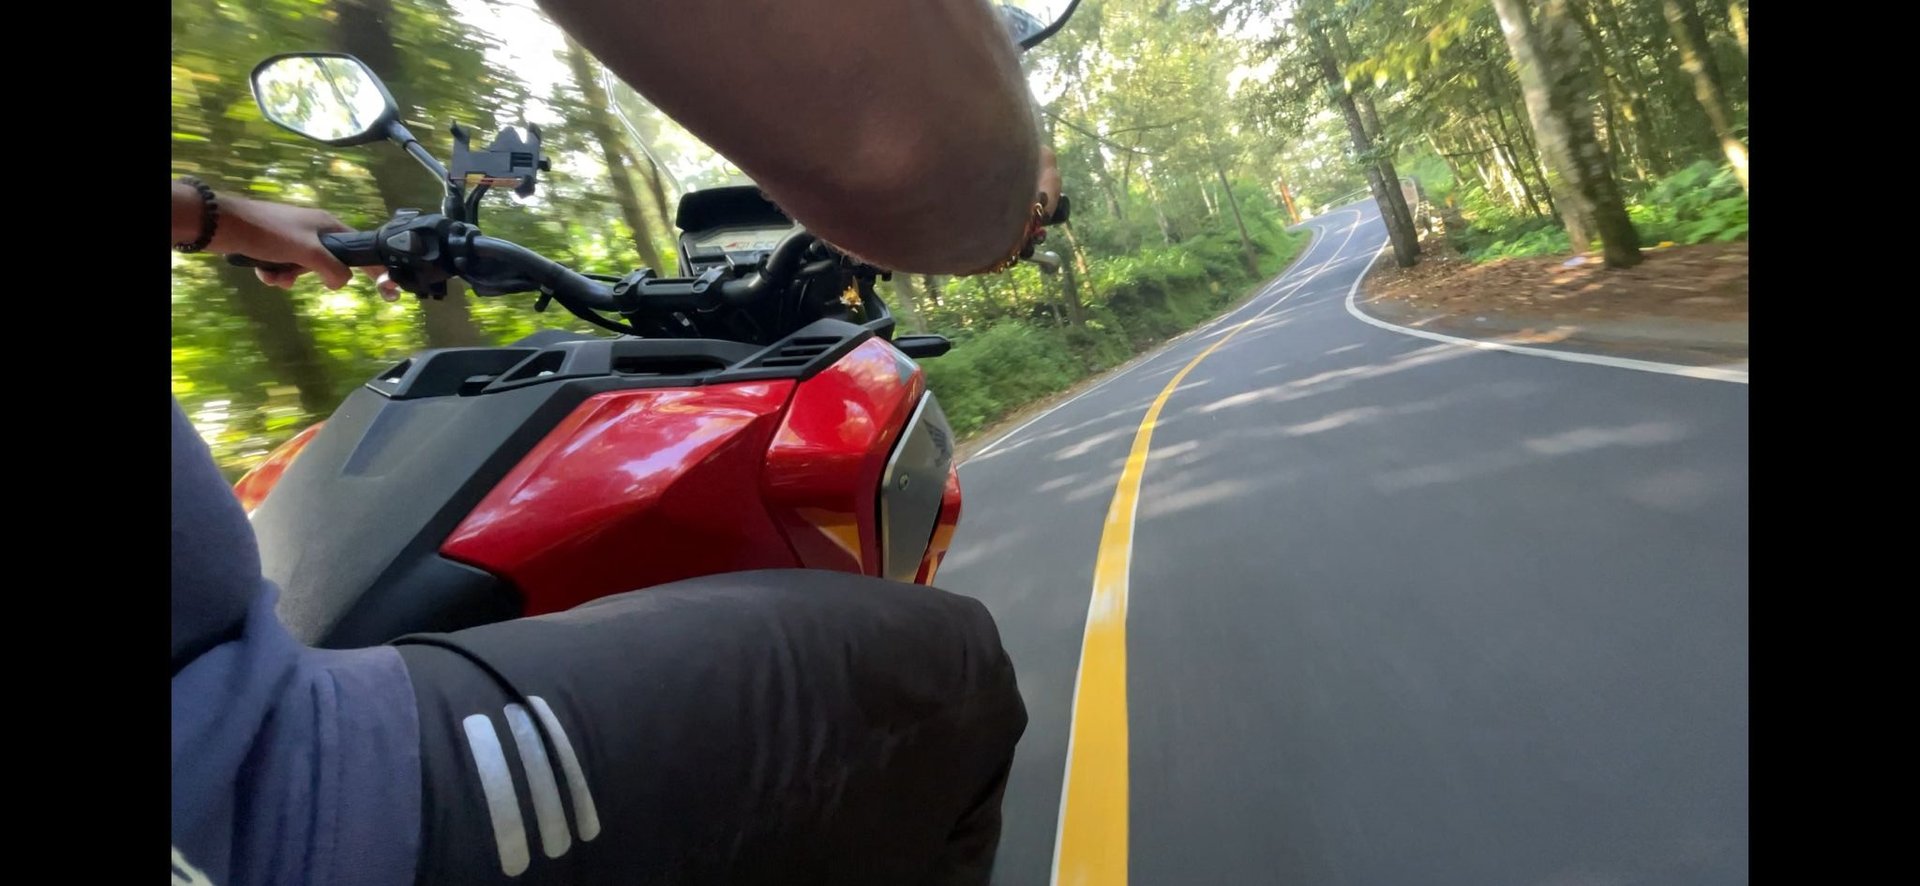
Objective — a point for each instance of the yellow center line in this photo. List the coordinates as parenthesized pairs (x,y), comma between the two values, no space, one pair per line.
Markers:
(1092,844)
(1090,848)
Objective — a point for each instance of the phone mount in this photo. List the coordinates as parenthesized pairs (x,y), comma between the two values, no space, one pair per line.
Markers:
(512,161)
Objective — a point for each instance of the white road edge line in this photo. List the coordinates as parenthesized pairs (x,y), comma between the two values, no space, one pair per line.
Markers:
(1710,373)
(1299,265)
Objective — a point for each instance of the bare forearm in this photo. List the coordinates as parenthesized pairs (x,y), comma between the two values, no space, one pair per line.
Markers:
(900,131)
(287,238)
(187,210)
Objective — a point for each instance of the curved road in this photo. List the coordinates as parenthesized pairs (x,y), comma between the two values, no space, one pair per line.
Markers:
(1398,611)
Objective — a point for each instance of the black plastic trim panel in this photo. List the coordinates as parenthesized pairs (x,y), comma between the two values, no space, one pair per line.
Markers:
(734,206)
(636,362)
(433,595)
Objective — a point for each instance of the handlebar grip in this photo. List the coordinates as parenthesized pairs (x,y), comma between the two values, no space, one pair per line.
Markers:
(355,249)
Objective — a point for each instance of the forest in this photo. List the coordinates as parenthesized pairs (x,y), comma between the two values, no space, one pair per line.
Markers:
(1190,136)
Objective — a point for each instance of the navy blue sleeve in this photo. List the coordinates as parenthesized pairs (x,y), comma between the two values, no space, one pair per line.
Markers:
(290,765)
(216,565)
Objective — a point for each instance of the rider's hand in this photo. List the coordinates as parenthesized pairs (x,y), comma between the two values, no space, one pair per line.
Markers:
(1049,180)
(274,232)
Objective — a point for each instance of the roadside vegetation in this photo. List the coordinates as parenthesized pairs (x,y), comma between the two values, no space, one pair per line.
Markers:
(1190,134)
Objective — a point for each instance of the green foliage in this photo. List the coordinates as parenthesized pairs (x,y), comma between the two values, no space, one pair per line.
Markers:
(1148,297)
(1699,204)
(1450,103)
(1158,150)
(1519,240)
(1007,365)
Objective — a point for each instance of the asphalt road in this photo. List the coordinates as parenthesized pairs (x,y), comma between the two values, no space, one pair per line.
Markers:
(1401,612)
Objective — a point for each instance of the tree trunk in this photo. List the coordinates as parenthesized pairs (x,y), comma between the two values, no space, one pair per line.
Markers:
(1167,230)
(1611,121)
(1620,73)
(1638,108)
(908,302)
(1387,170)
(1076,248)
(1596,51)
(1376,135)
(612,152)
(1548,56)
(1508,170)
(1113,200)
(1495,177)
(1690,133)
(1076,312)
(1665,133)
(1104,175)
(1529,165)
(1079,253)
(930,284)
(1453,163)
(362,29)
(1737,22)
(1071,271)
(1638,93)
(656,201)
(1690,37)
(656,188)
(1246,242)
(1534,163)
(1405,250)
(1472,170)
(283,338)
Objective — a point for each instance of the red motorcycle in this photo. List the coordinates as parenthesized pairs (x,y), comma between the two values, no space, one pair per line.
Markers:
(757,413)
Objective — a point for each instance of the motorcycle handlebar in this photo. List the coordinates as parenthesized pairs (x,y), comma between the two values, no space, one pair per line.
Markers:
(564,283)
(504,266)
(488,258)
(779,270)
(355,249)
(567,285)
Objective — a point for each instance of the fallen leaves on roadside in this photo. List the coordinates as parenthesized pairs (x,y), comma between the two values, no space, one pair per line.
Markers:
(1705,282)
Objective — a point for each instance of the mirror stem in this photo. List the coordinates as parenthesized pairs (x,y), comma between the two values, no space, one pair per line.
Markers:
(454,204)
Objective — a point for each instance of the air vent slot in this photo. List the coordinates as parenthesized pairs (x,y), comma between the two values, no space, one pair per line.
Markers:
(801,352)
(388,383)
(399,371)
(447,372)
(543,363)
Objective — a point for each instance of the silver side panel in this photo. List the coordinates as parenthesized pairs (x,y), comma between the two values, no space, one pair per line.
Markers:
(911,488)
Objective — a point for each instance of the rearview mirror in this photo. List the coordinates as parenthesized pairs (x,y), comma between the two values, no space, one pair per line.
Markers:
(1048,262)
(1031,21)
(325,96)
(920,347)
